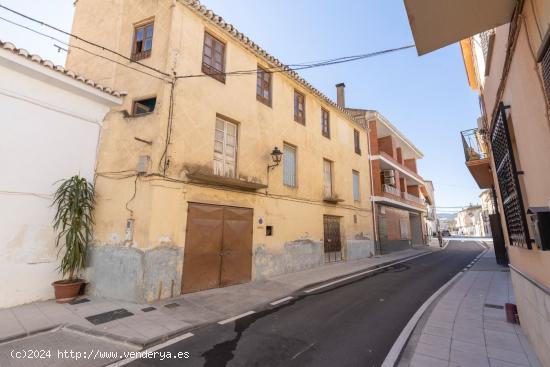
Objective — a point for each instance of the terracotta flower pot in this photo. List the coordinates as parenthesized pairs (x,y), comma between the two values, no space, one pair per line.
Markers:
(66,290)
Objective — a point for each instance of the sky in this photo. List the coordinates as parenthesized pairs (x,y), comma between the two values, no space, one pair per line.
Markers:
(427,97)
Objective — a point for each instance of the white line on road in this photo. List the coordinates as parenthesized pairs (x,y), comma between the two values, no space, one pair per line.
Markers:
(397,347)
(152,349)
(227,321)
(362,273)
(274,303)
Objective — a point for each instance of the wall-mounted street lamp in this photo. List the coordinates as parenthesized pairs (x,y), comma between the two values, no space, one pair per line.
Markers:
(276,156)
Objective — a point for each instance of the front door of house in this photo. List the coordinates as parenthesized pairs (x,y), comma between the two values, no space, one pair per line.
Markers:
(218,247)
(332,240)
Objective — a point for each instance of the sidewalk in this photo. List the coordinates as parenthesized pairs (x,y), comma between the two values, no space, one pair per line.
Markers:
(146,324)
(467,326)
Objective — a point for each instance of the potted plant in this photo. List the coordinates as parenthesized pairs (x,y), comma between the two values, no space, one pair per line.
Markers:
(74,203)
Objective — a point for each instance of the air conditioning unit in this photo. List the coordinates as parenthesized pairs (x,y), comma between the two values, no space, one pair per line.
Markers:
(389,177)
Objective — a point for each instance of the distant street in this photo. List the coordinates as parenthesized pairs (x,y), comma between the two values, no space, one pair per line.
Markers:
(353,323)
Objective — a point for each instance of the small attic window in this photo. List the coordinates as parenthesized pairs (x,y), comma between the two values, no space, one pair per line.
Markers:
(144,106)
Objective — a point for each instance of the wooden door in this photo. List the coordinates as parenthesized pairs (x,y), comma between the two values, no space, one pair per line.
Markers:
(236,266)
(218,247)
(203,246)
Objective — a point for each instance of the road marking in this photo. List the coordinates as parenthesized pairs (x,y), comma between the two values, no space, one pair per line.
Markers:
(303,351)
(362,273)
(275,303)
(227,321)
(152,349)
(401,341)
(447,244)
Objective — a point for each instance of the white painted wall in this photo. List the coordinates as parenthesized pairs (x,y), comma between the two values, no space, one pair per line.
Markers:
(49,126)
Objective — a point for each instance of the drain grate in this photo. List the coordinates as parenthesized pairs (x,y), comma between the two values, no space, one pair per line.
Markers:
(172,305)
(104,317)
(498,307)
(79,301)
(148,309)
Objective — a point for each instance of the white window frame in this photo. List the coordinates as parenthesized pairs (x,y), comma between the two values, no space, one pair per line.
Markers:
(221,159)
(328,174)
(293,175)
(356,185)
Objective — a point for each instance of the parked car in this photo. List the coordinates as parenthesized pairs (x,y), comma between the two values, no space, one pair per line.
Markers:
(445,233)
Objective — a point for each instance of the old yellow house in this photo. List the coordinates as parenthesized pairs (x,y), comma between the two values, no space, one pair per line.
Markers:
(221,167)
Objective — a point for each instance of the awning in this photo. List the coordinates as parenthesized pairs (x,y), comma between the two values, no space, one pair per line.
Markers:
(439,23)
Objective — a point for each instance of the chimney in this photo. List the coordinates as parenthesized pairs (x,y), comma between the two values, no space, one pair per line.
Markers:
(341,95)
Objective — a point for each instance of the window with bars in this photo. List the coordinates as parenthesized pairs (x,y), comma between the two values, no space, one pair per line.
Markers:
(225,148)
(356,141)
(327,178)
(299,107)
(143,41)
(545,70)
(213,57)
(356,192)
(263,86)
(507,177)
(325,123)
(289,165)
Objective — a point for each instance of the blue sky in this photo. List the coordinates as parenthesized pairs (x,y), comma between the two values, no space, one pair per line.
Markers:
(426,97)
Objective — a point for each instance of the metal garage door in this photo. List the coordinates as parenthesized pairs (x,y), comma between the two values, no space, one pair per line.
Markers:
(218,247)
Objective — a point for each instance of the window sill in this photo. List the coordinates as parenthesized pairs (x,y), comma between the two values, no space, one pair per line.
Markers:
(263,101)
(226,181)
(216,74)
(140,56)
(332,200)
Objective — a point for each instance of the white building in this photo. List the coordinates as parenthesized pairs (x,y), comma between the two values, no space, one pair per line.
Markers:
(51,122)
(432,222)
(469,222)
(487,208)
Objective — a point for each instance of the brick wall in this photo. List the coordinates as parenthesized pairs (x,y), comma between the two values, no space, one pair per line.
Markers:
(392,217)
(411,164)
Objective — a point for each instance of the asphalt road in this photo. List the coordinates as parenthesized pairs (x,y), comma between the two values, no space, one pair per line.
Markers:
(353,323)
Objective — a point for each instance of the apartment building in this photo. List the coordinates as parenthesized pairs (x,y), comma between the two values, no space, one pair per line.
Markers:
(506,53)
(222,166)
(399,192)
(431,220)
(469,221)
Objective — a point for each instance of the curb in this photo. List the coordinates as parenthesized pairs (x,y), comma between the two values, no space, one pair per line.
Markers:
(394,355)
(373,267)
(146,343)
(29,333)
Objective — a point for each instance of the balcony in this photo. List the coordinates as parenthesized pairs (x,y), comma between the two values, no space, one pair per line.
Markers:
(477,158)
(392,190)
(413,198)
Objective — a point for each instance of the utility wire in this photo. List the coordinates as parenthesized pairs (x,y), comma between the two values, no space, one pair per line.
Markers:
(275,69)
(288,68)
(81,39)
(79,48)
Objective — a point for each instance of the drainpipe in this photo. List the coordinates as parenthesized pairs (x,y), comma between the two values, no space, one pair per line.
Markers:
(373,205)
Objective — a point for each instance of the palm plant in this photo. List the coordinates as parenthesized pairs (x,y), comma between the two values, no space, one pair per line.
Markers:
(74,202)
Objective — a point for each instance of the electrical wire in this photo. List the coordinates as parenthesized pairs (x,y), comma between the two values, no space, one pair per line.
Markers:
(303,66)
(42,23)
(79,48)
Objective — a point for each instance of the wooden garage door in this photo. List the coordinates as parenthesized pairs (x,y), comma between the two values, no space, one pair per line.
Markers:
(218,247)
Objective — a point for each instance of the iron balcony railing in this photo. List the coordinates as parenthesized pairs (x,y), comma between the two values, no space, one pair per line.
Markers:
(475,145)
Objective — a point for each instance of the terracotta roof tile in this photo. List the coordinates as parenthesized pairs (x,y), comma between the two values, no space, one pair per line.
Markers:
(209,15)
(58,68)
